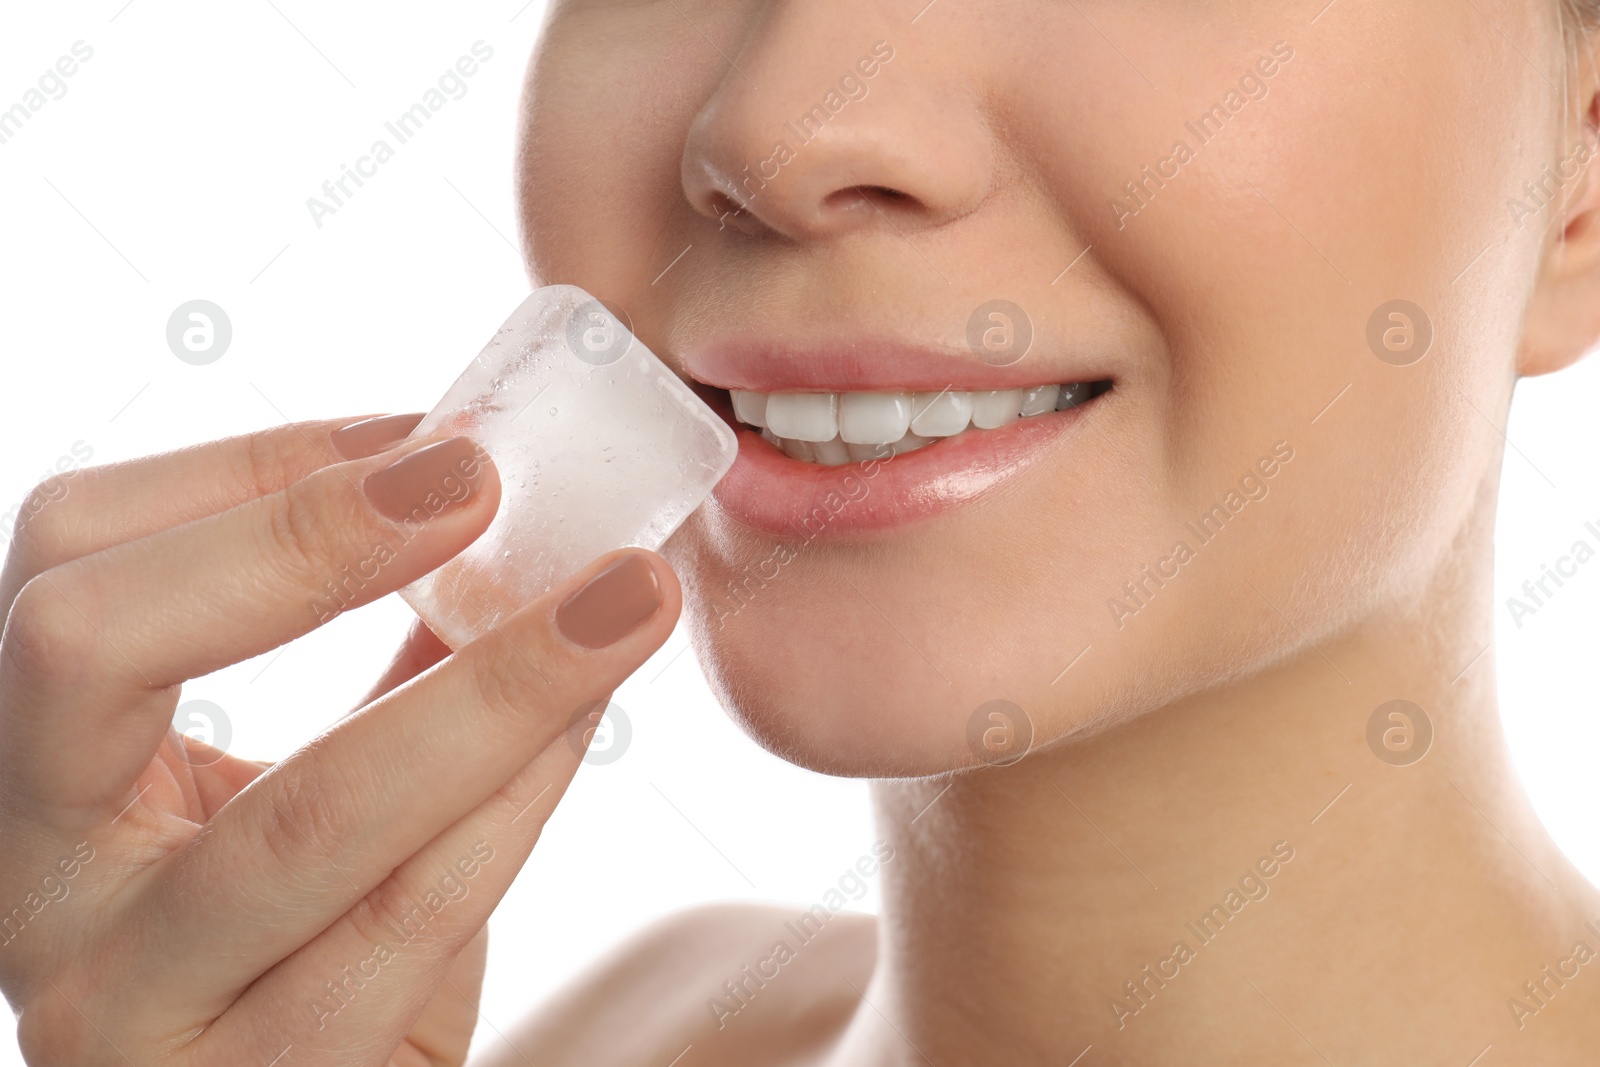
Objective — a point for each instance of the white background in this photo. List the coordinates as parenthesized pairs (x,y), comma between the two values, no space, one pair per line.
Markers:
(177,166)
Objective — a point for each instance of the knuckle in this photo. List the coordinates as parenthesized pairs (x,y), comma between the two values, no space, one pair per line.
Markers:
(45,532)
(298,542)
(395,913)
(389,913)
(49,629)
(511,679)
(306,827)
(267,462)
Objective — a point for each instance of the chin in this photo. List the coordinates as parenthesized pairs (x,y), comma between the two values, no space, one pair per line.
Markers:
(814,670)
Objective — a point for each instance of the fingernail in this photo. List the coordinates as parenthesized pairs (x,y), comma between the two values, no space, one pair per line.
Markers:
(427,482)
(611,605)
(371,436)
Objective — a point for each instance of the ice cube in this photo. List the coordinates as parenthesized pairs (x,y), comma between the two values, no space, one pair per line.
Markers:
(598,445)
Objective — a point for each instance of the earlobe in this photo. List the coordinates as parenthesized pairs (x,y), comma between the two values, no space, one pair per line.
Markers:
(1563,322)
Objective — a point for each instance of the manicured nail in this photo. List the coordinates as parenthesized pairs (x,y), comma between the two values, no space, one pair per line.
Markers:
(427,482)
(612,604)
(371,436)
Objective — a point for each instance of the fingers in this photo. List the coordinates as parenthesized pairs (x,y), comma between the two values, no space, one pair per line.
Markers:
(73,515)
(403,945)
(323,828)
(93,647)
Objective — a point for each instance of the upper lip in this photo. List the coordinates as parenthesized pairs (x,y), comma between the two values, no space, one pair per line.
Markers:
(868,364)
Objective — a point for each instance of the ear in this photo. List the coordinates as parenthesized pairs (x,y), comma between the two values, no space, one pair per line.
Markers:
(1563,321)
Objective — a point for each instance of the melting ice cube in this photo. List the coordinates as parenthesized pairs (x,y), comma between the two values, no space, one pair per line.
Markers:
(598,446)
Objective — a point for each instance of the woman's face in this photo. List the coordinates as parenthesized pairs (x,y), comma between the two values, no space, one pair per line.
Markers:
(1214,206)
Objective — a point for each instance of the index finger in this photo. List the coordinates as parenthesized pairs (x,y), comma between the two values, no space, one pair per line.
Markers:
(72,516)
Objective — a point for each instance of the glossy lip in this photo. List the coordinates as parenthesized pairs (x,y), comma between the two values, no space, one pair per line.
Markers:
(769,491)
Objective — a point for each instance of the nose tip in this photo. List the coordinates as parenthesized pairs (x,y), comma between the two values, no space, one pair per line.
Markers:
(870,150)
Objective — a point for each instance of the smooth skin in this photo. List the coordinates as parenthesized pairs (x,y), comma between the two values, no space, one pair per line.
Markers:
(1229,712)
(209,899)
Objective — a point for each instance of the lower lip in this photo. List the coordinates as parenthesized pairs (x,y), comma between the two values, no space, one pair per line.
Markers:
(776,494)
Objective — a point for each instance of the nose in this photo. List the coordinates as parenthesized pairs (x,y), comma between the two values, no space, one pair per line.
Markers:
(815,131)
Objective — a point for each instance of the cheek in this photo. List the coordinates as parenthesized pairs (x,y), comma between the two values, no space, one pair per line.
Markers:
(1377,168)
(607,103)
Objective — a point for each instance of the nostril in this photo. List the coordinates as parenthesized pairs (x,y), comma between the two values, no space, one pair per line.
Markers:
(723,204)
(857,196)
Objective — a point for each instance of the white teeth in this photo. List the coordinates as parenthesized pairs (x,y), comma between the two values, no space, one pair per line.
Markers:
(749,408)
(940,414)
(873,418)
(996,408)
(804,416)
(838,428)
(1039,399)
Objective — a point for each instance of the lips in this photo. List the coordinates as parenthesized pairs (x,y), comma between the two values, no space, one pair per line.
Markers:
(833,486)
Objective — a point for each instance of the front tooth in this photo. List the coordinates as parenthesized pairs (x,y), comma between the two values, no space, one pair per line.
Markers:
(749,408)
(834,453)
(1040,399)
(940,414)
(995,408)
(804,416)
(874,418)
(771,438)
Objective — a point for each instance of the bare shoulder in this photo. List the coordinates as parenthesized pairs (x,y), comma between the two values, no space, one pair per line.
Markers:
(721,983)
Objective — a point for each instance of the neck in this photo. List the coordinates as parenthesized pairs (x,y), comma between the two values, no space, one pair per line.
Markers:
(1239,874)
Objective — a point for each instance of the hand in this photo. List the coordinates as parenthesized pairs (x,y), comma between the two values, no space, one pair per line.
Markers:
(162,902)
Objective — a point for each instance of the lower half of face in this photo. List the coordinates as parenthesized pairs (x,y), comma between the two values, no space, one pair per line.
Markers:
(1281,248)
